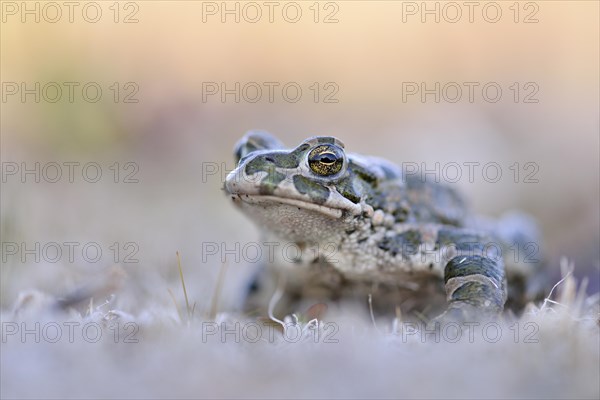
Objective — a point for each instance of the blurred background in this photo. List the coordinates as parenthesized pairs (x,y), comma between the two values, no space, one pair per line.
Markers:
(162,131)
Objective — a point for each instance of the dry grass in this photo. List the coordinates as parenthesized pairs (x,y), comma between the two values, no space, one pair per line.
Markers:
(552,351)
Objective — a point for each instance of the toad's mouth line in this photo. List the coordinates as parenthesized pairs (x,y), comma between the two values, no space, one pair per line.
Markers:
(263,199)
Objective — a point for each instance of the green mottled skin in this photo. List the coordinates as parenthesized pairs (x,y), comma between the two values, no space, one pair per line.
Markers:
(408,243)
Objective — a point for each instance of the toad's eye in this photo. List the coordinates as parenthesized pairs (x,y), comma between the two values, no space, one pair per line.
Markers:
(326,159)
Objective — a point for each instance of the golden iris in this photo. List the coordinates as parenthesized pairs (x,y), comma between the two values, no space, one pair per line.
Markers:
(326,159)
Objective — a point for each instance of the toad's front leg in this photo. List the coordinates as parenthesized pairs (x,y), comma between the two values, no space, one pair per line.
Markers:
(475,281)
(475,288)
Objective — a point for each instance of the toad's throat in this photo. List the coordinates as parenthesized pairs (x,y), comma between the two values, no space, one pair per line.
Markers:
(268,200)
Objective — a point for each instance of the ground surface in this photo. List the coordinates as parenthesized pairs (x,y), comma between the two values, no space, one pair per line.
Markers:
(552,351)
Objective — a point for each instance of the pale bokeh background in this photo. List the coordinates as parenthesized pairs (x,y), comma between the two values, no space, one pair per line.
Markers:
(171,133)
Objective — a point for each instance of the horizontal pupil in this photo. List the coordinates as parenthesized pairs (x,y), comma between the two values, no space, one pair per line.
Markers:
(326,159)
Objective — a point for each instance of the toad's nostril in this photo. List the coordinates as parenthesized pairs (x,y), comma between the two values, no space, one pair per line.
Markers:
(269,159)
